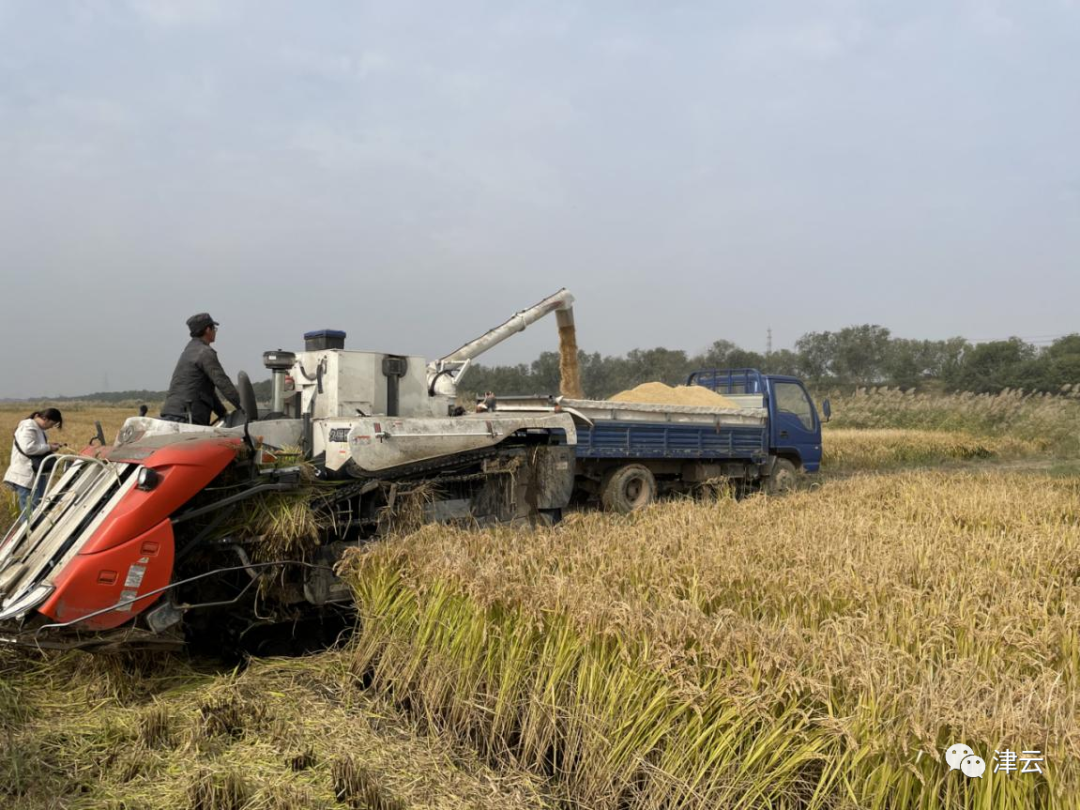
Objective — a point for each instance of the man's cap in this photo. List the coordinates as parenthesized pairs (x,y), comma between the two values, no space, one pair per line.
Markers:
(197,323)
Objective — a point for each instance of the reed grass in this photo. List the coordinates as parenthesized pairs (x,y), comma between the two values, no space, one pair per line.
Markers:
(875,449)
(1049,418)
(820,650)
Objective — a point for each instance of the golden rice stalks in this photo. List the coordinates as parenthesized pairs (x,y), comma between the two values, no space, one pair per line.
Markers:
(1036,417)
(408,508)
(357,788)
(848,449)
(820,650)
(288,524)
(290,734)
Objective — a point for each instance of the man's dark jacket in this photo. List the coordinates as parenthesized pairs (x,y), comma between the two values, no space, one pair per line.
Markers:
(197,373)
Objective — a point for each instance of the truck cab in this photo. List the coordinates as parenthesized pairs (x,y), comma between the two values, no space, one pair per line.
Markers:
(794,424)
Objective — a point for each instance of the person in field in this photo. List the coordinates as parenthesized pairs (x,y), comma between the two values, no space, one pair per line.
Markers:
(29,448)
(191,396)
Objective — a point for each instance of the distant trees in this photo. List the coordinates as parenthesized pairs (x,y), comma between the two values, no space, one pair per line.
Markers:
(865,354)
(997,365)
(860,355)
(855,354)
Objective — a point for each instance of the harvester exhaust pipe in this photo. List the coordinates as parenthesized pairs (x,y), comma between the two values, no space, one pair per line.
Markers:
(279,363)
(394,368)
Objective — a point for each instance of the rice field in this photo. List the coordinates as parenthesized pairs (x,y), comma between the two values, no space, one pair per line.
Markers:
(820,650)
(1047,418)
(79,428)
(82,732)
(79,419)
(850,449)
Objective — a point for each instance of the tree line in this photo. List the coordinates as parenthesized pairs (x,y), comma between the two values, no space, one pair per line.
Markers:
(850,357)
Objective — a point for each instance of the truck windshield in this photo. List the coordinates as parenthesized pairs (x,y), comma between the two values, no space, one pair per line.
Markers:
(791,398)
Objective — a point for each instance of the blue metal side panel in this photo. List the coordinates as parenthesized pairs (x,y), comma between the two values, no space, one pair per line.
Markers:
(665,440)
(729,380)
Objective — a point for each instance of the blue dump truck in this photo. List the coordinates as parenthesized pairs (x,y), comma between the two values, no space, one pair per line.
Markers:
(627,454)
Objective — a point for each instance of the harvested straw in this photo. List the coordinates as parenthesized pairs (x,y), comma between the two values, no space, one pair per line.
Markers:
(218,790)
(407,508)
(288,525)
(359,789)
(286,734)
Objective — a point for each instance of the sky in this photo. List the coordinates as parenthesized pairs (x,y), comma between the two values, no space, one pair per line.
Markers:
(414,173)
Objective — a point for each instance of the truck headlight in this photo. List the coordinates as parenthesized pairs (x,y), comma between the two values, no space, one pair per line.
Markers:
(147,479)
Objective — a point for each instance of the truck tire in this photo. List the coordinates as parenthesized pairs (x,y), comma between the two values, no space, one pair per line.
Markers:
(627,489)
(783,479)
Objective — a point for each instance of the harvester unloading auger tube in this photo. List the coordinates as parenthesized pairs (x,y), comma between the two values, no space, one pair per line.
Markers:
(445,374)
(180,532)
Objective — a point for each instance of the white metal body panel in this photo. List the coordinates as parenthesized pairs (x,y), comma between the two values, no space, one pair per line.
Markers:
(272,432)
(354,383)
(383,442)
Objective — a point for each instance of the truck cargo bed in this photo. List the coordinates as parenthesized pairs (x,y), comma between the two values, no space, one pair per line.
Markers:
(671,440)
(612,430)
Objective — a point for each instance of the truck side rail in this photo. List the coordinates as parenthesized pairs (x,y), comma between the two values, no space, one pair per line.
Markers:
(729,380)
(643,440)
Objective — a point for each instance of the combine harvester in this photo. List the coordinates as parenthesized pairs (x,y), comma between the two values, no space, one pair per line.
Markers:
(151,541)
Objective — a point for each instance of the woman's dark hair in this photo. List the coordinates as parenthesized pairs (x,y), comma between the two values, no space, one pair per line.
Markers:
(52,414)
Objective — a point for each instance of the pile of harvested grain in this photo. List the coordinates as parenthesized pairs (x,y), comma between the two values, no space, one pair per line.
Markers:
(657,393)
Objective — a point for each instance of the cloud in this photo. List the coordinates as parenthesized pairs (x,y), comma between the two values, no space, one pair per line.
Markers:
(625,46)
(338,149)
(173,13)
(815,42)
(988,18)
(334,67)
(69,133)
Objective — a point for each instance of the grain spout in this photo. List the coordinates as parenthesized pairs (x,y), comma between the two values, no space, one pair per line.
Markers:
(569,371)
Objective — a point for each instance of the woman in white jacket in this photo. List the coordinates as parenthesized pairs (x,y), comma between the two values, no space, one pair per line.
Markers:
(30,442)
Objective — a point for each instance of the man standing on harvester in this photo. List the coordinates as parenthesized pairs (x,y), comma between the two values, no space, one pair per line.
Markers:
(191,396)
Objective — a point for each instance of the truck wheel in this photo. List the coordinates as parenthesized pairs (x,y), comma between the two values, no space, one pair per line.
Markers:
(627,489)
(783,478)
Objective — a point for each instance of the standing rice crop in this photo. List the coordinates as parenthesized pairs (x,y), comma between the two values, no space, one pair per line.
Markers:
(1046,418)
(875,449)
(820,650)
